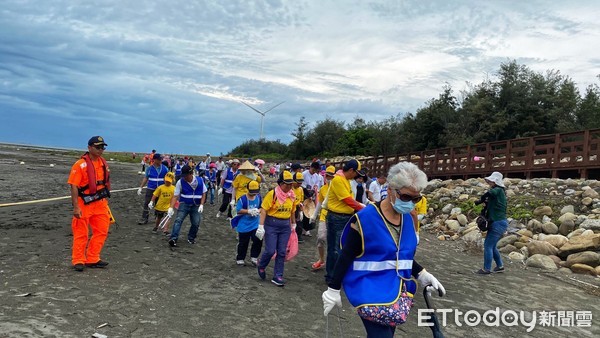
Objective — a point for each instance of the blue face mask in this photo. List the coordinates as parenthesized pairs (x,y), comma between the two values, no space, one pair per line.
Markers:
(403,207)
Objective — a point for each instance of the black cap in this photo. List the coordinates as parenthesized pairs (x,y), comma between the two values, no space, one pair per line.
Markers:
(96,141)
(186,170)
(296,166)
(156,156)
(315,165)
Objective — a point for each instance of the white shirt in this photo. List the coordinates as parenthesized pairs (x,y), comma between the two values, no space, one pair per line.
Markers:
(220,165)
(310,180)
(379,191)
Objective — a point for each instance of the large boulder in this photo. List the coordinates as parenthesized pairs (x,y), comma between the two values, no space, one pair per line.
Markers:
(508,249)
(516,256)
(504,241)
(591,224)
(541,211)
(473,238)
(568,216)
(541,261)
(566,227)
(579,244)
(541,248)
(452,225)
(586,257)
(591,193)
(584,269)
(462,219)
(557,241)
(550,228)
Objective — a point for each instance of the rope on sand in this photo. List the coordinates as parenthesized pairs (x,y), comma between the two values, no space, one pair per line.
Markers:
(52,199)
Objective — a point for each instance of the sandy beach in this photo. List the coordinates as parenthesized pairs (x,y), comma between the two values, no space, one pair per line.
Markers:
(149,290)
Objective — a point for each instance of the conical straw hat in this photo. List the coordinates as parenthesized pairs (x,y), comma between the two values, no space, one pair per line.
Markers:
(246,166)
(309,208)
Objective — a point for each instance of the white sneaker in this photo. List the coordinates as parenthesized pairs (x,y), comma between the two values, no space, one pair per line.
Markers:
(308,234)
(218,214)
(228,218)
(240,262)
(254,261)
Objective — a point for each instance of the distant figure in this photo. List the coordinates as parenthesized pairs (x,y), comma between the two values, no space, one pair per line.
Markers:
(90,188)
(155,176)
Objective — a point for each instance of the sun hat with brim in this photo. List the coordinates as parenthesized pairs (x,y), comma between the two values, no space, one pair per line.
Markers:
(253,187)
(246,166)
(496,177)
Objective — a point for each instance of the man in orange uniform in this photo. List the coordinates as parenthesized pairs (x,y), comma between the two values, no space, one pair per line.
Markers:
(90,188)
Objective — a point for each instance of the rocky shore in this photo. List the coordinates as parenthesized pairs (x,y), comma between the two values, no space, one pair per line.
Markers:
(554,224)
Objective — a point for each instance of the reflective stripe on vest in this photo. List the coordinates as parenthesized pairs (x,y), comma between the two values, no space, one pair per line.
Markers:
(189,195)
(155,177)
(384,265)
(377,276)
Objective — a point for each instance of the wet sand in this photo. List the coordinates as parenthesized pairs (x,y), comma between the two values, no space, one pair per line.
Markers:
(197,290)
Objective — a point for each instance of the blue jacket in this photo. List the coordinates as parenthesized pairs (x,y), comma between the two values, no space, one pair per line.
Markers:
(376,276)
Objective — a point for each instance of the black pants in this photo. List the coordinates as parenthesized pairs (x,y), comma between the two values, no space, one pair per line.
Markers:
(219,172)
(242,247)
(147,199)
(225,204)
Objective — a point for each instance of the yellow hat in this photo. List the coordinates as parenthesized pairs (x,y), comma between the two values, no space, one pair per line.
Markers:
(169,177)
(330,171)
(287,177)
(253,187)
(298,177)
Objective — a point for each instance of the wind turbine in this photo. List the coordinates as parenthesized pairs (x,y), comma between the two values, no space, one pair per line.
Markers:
(262,115)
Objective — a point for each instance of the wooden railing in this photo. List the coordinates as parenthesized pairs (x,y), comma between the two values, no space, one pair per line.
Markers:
(564,155)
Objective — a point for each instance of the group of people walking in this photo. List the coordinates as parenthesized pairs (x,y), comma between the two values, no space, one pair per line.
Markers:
(367,236)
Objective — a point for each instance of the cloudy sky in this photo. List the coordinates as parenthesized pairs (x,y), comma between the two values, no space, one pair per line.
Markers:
(170,75)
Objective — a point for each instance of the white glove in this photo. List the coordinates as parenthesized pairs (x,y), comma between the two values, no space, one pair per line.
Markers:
(425,279)
(253,212)
(232,203)
(293,226)
(151,205)
(362,205)
(260,232)
(301,216)
(139,191)
(171,212)
(220,191)
(201,208)
(420,217)
(331,298)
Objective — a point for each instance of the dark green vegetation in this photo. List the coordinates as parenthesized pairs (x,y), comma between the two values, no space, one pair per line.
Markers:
(518,102)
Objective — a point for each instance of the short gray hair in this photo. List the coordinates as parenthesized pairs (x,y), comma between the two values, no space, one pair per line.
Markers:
(406,175)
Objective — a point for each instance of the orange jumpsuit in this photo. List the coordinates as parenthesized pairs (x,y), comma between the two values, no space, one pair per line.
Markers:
(95,214)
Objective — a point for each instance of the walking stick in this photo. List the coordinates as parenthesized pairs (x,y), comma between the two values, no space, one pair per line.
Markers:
(436,327)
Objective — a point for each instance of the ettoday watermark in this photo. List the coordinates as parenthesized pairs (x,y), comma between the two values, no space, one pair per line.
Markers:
(497,317)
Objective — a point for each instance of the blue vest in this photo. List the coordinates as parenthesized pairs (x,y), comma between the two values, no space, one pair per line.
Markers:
(189,195)
(212,176)
(376,277)
(156,177)
(229,179)
(178,169)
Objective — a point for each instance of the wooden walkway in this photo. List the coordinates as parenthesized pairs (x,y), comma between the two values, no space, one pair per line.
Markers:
(565,155)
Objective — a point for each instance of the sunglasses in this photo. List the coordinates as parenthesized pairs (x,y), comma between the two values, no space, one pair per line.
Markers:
(100,147)
(408,198)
